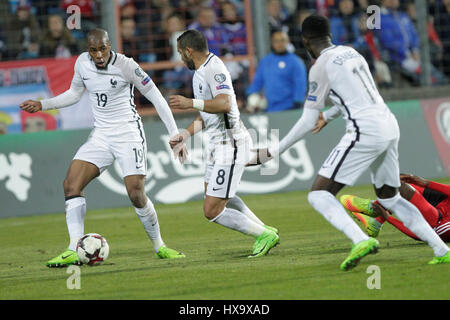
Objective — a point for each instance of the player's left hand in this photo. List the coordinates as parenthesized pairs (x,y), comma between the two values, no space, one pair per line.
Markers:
(319,124)
(180,102)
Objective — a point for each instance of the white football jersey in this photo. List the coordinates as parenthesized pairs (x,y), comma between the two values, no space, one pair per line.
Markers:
(111,89)
(211,79)
(343,74)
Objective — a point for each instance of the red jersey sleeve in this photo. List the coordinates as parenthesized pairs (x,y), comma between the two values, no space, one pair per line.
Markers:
(442,188)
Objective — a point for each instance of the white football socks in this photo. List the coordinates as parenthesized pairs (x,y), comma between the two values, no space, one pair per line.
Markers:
(233,219)
(149,219)
(414,221)
(330,208)
(239,205)
(75,213)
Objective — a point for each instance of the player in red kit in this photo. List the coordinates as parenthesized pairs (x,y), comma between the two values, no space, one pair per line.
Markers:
(431,198)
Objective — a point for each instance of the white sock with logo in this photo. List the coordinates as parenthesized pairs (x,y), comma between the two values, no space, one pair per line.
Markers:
(330,208)
(149,220)
(414,221)
(239,205)
(75,213)
(233,219)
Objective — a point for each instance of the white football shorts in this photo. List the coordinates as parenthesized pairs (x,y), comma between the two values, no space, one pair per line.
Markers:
(126,144)
(225,166)
(355,154)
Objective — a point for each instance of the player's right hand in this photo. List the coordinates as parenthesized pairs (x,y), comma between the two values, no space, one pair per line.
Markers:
(31,106)
(410,178)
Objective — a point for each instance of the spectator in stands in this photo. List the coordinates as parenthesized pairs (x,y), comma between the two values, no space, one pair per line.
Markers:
(131,45)
(214,32)
(277,16)
(127,10)
(295,34)
(23,34)
(282,75)
(237,33)
(379,68)
(322,7)
(434,41)
(442,23)
(178,78)
(398,36)
(345,30)
(57,41)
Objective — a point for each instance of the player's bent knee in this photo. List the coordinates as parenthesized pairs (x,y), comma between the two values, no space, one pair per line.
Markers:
(137,197)
(211,211)
(70,188)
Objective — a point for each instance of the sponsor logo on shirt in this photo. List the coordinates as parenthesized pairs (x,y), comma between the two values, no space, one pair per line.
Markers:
(312,98)
(145,81)
(223,86)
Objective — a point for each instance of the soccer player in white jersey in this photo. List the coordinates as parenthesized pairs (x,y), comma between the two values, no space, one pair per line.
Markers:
(229,141)
(118,134)
(370,142)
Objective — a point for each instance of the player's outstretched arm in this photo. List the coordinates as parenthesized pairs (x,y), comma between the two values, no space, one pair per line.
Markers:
(304,125)
(220,104)
(164,112)
(65,99)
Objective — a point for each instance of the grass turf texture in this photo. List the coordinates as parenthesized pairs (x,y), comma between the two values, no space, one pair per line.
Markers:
(304,266)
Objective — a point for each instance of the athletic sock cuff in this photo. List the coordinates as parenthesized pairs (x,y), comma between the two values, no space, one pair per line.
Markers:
(75,202)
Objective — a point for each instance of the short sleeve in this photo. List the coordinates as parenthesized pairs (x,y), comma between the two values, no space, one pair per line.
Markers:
(136,75)
(319,87)
(219,79)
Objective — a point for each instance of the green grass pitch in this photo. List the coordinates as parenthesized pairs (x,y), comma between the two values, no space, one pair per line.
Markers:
(304,266)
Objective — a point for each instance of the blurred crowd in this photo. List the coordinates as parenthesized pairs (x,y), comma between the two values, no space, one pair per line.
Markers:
(149,28)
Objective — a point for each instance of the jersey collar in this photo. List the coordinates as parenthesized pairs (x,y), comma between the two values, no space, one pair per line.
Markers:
(208,59)
(329,48)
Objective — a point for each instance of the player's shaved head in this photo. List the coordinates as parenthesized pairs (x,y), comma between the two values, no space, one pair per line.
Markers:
(99,47)
(98,35)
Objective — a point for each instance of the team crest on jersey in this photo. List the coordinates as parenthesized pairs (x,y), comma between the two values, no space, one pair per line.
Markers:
(139,72)
(312,86)
(113,82)
(220,77)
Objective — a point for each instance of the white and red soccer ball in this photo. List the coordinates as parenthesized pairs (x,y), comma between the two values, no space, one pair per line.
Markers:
(92,249)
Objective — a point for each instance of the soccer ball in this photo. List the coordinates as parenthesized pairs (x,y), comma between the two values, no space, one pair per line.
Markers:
(92,249)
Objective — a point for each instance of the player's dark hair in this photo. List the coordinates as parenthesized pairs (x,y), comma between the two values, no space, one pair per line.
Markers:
(316,27)
(193,39)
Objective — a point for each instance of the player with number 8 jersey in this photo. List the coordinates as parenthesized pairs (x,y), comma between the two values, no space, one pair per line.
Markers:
(229,141)
(109,78)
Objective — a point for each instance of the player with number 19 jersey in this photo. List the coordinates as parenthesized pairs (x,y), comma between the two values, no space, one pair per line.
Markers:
(118,132)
